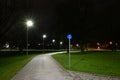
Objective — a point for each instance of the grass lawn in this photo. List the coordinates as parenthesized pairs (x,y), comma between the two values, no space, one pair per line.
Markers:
(107,63)
(11,63)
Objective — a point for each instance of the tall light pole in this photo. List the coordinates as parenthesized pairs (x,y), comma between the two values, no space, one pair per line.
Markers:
(44,36)
(29,24)
(61,44)
(53,42)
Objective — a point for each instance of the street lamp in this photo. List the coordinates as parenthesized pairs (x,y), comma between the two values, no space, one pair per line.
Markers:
(44,36)
(29,24)
(53,42)
(61,44)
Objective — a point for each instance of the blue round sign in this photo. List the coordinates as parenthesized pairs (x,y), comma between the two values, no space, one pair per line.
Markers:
(69,36)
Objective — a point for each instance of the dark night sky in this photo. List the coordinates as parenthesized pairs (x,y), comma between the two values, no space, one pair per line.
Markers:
(84,19)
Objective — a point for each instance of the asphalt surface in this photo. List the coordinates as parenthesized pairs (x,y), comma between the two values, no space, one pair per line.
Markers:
(43,67)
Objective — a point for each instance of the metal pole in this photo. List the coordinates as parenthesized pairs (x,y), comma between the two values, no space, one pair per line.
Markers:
(27,43)
(69,55)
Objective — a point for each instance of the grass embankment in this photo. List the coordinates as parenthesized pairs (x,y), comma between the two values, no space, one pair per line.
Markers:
(11,63)
(107,63)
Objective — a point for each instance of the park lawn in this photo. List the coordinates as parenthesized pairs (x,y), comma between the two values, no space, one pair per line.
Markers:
(10,65)
(106,63)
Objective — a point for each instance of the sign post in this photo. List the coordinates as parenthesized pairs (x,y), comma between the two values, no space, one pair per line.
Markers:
(69,36)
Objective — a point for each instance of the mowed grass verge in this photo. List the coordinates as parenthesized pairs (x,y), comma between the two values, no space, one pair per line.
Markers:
(11,63)
(106,63)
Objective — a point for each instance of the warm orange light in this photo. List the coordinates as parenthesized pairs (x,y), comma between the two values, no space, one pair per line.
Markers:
(110,42)
(98,43)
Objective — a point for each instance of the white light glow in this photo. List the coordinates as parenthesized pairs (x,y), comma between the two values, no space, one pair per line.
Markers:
(53,40)
(61,43)
(7,45)
(44,36)
(29,23)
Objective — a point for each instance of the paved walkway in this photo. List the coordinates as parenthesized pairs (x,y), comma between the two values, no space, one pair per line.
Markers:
(42,67)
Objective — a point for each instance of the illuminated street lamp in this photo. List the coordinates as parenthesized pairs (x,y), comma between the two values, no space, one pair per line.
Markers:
(44,36)
(98,45)
(110,43)
(53,40)
(29,24)
(53,43)
(61,44)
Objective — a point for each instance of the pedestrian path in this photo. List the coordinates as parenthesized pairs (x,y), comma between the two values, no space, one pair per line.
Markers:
(42,67)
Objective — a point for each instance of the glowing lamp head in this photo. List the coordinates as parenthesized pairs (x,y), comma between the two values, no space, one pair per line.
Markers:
(53,40)
(44,36)
(110,43)
(29,23)
(61,43)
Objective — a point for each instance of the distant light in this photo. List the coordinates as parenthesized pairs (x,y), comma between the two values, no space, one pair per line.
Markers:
(98,43)
(29,23)
(110,42)
(7,45)
(44,36)
(98,47)
(53,40)
(77,45)
(61,43)
(39,44)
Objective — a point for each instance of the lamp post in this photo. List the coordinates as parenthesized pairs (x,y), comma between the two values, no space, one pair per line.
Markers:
(53,43)
(61,44)
(53,40)
(29,24)
(44,36)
